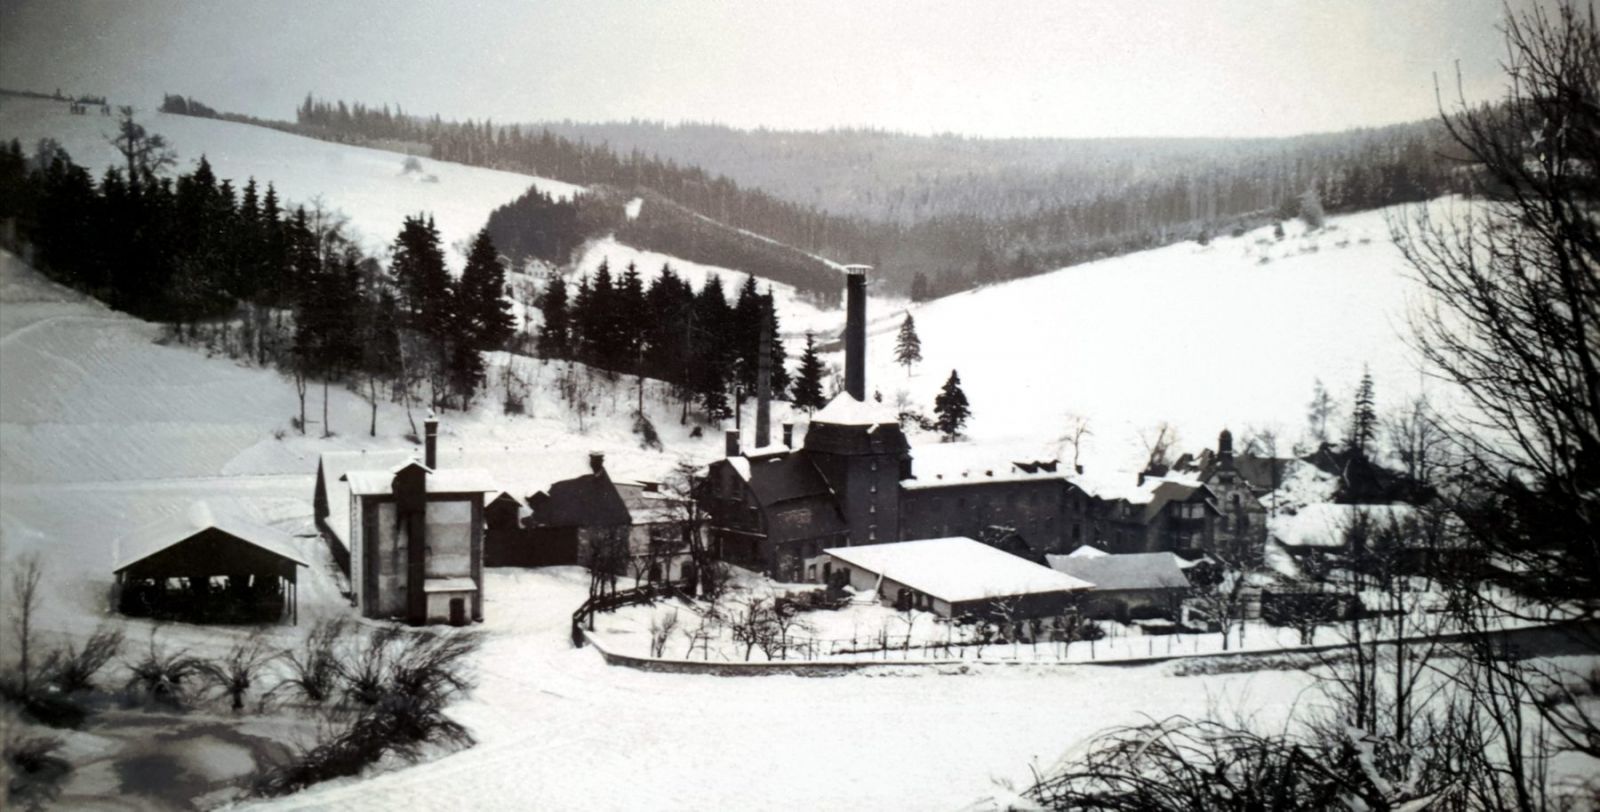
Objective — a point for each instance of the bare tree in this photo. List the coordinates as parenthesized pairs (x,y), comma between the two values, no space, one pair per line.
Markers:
(24,606)
(1512,320)
(1159,440)
(662,625)
(1076,428)
(146,153)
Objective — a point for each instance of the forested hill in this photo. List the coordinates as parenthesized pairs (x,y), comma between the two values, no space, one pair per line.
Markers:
(934,214)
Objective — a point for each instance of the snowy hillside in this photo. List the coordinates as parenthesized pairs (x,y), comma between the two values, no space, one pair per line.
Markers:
(370,186)
(1204,337)
(103,428)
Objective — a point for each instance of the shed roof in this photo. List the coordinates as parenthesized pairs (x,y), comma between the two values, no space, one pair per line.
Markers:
(587,501)
(957,569)
(178,528)
(1119,572)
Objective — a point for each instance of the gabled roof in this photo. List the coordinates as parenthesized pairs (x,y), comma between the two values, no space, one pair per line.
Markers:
(444,480)
(333,465)
(957,569)
(797,500)
(587,501)
(1120,572)
(1167,491)
(176,529)
(947,464)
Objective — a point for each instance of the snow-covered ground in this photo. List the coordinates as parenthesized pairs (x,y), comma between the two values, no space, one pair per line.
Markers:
(370,186)
(560,730)
(1231,334)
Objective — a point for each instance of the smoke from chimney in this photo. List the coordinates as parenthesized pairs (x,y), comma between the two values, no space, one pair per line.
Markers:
(855,331)
(430,442)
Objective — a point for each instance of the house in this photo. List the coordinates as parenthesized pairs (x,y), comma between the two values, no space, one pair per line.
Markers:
(1123,583)
(1160,514)
(571,523)
(771,511)
(204,566)
(416,539)
(330,501)
(506,542)
(953,577)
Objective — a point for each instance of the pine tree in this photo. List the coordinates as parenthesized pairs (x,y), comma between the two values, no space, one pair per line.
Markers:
(1319,411)
(907,346)
(553,333)
(808,384)
(483,315)
(631,319)
(1363,417)
(951,408)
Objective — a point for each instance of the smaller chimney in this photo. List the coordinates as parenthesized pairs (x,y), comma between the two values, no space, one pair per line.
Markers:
(430,442)
(597,462)
(731,447)
(788,435)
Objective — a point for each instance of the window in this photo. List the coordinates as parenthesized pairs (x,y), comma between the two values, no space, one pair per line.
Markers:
(873,508)
(874,465)
(873,489)
(872,532)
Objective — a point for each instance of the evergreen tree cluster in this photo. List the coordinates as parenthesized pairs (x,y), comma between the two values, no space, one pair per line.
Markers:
(694,339)
(539,226)
(191,249)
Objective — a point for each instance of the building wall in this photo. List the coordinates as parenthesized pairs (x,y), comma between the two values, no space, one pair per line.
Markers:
(1049,514)
(379,551)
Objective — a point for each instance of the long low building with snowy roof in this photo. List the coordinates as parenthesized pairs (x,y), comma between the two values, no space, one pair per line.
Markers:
(952,577)
(207,566)
(1126,582)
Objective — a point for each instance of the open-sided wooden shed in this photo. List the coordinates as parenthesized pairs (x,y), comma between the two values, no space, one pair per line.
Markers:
(203,567)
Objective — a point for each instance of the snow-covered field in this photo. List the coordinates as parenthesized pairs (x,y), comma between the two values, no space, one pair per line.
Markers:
(1232,334)
(369,186)
(558,729)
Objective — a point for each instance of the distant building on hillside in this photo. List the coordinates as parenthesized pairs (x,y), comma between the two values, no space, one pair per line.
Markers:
(416,539)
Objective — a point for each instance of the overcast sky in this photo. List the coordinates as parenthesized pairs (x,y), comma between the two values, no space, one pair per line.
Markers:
(982,68)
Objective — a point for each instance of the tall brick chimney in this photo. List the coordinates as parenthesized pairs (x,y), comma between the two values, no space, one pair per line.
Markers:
(855,331)
(430,442)
(764,388)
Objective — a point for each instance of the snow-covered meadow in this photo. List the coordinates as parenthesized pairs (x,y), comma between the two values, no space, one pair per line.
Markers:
(371,187)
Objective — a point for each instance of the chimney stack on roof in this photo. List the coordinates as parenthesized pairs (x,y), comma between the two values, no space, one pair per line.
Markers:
(788,435)
(430,442)
(597,462)
(731,443)
(855,331)
(764,387)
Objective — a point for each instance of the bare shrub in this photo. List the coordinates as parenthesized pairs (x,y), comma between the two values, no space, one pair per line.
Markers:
(72,668)
(162,676)
(314,669)
(31,770)
(235,672)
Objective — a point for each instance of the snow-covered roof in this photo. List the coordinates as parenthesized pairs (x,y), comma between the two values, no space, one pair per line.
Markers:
(1323,524)
(445,480)
(159,535)
(966,463)
(1088,551)
(334,465)
(1119,572)
(956,569)
(845,410)
(449,585)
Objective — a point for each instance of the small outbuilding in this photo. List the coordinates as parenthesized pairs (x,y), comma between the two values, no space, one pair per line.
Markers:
(952,577)
(202,566)
(1123,583)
